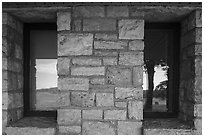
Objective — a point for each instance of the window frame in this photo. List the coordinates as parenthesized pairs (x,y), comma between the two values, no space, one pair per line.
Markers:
(26,51)
(175,76)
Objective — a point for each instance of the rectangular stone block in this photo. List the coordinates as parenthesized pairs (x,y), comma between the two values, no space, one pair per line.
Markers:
(74,44)
(92,114)
(102,88)
(18,52)
(69,117)
(70,130)
(88,71)
(97,128)
(131,58)
(110,45)
(105,53)
(117,11)
(195,19)
(82,99)
(87,61)
(63,20)
(129,128)
(128,93)
(104,99)
(105,36)
(97,81)
(64,99)
(118,76)
(115,114)
(121,104)
(89,11)
(99,25)
(198,110)
(110,61)
(135,110)
(131,29)
(137,76)
(63,65)
(46,100)
(73,84)
(12,100)
(136,45)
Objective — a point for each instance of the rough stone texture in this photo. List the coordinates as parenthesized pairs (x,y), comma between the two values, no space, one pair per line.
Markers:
(118,76)
(64,99)
(195,19)
(110,45)
(46,101)
(92,114)
(131,29)
(136,45)
(75,44)
(77,25)
(168,132)
(198,110)
(12,100)
(69,117)
(89,11)
(99,25)
(105,36)
(70,130)
(110,61)
(63,65)
(97,81)
(97,128)
(82,99)
(128,93)
(73,84)
(129,128)
(117,11)
(86,61)
(121,104)
(102,88)
(137,76)
(104,99)
(131,58)
(105,53)
(63,20)
(115,114)
(135,110)
(87,71)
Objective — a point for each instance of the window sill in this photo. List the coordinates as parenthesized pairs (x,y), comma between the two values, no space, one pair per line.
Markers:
(32,126)
(169,126)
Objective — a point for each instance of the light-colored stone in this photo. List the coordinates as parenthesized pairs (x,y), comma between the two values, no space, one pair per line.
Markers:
(110,61)
(131,58)
(97,81)
(64,99)
(63,20)
(168,132)
(73,84)
(136,45)
(86,61)
(131,29)
(102,89)
(135,110)
(105,53)
(104,99)
(70,130)
(92,114)
(97,128)
(118,76)
(63,65)
(82,99)
(77,25)
(12,100)
(129,128)
(137,76)
(198,110)
(88,71)
(74,44)
(195,19)
(99,25)
(18,52)
(69,117)
(117,11)
(105,36)
(89,11)
(110,45)
(128,93)
(115,114)
(121,104)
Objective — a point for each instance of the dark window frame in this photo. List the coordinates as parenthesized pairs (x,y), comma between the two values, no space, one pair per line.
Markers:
(175,76)
(26,50)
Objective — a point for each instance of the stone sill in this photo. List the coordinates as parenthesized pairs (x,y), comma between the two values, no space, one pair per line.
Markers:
(32,126)
(170,126)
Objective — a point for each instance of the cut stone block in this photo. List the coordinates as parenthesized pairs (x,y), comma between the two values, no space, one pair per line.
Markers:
(89,11)
(131,58)
(69,117)
(110,61)
(97,81)
(105,36)
(63,65)
(135,110)
(136,45)
(92,114)
(117,11)
(86,61)
(128,93)
(115,114)
(138,76)
(82,99)
(70,130)
(110,45)
(63,20)
(87,71)
(104,99)
(129,128)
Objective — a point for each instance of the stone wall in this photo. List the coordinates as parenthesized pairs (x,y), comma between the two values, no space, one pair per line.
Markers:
(191,71)
(100,59)
(12,69)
